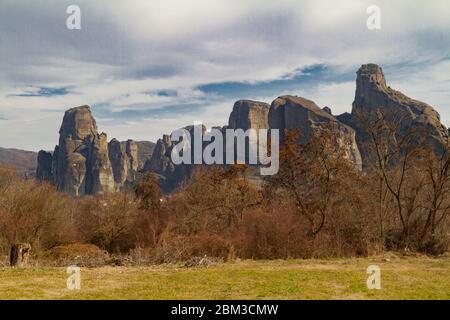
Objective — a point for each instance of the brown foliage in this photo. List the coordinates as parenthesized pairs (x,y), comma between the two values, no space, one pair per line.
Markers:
(318,205)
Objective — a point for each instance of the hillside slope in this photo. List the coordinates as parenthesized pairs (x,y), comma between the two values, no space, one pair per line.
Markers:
(20,160)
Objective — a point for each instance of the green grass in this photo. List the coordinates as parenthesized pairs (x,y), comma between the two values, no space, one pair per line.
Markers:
(401,278)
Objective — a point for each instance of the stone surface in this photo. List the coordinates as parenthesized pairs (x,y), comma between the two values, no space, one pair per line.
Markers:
(44,171)
(327,110)
(373,95)
(81,163)
(170,175)
(124,162)
(84,163)
(145,151)
(248,114)
(297,113)
(131,149)
(119,163)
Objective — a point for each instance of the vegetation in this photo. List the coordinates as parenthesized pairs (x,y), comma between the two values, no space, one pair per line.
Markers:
(401,278)
(319,205)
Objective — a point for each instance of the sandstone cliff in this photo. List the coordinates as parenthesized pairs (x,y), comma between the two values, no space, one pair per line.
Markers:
(44,166)
(296,113)
(248,114)
(171,175)
(373,95)
(84,163)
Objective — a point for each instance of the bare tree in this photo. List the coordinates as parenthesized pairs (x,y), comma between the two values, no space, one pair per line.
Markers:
(315,175)
(411,175)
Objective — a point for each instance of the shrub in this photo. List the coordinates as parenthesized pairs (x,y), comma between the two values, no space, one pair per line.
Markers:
(80,254)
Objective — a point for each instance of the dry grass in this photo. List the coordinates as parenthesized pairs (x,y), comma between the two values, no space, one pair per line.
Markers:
(402,278)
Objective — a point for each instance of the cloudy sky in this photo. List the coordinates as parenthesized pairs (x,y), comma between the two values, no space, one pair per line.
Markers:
(147,67)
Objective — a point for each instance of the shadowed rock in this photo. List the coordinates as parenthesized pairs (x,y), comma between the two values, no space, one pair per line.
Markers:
(81,162)
(44,166)
(248,114)
(124,162)
(297,113)
(374,95)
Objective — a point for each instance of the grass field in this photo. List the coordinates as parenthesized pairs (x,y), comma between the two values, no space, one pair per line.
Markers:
(401,278)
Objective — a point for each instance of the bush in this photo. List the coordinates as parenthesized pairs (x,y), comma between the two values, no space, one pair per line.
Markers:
(79,254)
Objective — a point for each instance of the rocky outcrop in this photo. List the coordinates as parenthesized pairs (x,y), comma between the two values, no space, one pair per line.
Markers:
(248,114)
(374,95)
(44,166)
(145,151)
(124,162)
(84,163)
(131,149)
(171,175)
(327,110)
(119,162)
(296,113)
(80,163)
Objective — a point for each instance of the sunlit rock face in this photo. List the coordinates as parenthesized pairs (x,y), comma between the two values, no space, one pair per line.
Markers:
(81,163)
(297,113)
(374,95)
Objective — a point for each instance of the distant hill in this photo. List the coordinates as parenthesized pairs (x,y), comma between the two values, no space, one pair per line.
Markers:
(22,161)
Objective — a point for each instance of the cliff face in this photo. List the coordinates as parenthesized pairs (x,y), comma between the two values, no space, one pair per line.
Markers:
(248,114)
(84,163)
(44,166)
(119,162)
(171,175)
(296,113)
(374,95)
(124,162)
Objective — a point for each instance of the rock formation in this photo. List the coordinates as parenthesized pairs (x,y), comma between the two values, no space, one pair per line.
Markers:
(374,95)
(84,163)
(170,175)
(327,110)
(124,162)
(44,166)
(131,149)
(144,151)
(248,114)
(296,113)
(119,162)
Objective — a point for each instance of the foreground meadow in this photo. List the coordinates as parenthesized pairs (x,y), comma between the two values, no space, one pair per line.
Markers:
(401,278)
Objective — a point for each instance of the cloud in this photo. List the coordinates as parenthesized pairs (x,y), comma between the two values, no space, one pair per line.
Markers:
(31,91)
(204,55)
